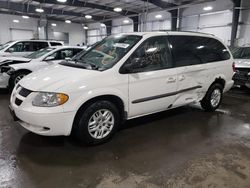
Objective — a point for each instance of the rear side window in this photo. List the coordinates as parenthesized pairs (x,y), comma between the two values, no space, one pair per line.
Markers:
(21,47)
(193,50)
(55,44)
(39,45)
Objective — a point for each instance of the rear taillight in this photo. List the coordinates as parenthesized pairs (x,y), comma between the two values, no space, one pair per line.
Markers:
(233,66)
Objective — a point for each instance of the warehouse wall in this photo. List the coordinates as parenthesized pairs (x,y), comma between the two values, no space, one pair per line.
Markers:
(150,23)
(7,22)
(76,33)
(217,22)
(244,28)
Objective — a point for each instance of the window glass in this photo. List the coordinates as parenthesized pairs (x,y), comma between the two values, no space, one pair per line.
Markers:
(21,47)
(108,52)
(76,51)
(5,45)
(39,45)
(55,44)
(241,53)
(153,54)
(193,50)
(62,54)
(39,53)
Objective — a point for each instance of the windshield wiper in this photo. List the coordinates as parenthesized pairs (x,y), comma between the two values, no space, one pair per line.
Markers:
(92,65)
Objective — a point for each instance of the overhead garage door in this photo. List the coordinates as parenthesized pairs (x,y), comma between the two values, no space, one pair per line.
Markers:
(19,34)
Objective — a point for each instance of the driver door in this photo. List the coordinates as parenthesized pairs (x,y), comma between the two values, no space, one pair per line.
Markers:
(152,87)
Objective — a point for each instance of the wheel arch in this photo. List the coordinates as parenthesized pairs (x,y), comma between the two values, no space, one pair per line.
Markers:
(117,101)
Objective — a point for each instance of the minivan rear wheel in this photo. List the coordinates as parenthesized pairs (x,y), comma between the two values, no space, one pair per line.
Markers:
(213,98)
(97,123)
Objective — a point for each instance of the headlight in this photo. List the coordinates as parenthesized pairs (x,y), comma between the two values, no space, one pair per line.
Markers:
(47,99)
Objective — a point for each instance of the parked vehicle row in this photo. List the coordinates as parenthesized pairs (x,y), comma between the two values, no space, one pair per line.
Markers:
(25,47)
(242,66)
(123,77)
(13,69)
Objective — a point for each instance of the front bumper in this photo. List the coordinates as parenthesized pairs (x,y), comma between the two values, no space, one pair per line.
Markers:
(242,77)
(43,121)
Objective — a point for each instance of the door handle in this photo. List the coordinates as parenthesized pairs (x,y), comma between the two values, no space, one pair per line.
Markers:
(171,80)
(181,78)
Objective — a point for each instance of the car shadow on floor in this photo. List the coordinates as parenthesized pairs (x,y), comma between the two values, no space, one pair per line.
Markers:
(4,91)
(161,129)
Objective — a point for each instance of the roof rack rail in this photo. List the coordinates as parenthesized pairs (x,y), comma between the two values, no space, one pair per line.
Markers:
(46,39)
(189,32)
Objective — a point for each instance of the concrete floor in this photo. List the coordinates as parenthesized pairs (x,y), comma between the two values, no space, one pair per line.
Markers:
(185,147)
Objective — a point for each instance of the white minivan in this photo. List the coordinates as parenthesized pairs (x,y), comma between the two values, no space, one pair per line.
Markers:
(123,77)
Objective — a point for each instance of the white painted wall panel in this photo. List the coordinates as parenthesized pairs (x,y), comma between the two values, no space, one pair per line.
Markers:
(18,34)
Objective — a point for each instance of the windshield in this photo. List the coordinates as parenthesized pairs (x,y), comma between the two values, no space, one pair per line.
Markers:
(241,53)
(108,52)
(39,53)
(3,46)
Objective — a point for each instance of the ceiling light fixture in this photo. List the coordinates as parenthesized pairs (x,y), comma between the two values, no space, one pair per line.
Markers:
(25,17)
(207,8)
(117,9)
(16,21)
(88,16)
(85,27)
(67,21)
(126,21)
(40,10)
(62,1)
(158,16)
(53,24)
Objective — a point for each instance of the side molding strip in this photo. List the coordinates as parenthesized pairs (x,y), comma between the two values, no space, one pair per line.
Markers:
(165,95)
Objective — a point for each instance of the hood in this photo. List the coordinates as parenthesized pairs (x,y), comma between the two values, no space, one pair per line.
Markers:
(242,63)
(4,54)
(13,60)
(52,78)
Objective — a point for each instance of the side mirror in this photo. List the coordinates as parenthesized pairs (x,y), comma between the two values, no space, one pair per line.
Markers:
(50,58)
(11,50)
(132,66)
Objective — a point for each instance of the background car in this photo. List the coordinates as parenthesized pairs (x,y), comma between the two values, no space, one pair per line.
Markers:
(242,66)
(25,47)
(15,68)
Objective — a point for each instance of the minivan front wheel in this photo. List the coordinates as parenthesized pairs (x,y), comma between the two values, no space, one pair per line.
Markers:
(96,123)
(213,98)
(14,79)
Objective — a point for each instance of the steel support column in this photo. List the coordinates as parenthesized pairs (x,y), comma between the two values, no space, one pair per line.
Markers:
(135,23)
(235,21)
(174,19)
(108,27)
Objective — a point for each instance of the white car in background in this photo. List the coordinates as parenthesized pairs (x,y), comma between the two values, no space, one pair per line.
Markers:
(25,47)
(13,69)
(123,77)
(242,66)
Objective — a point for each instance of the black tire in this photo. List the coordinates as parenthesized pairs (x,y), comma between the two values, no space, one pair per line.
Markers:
(80,129)
(13,78)
(206,102)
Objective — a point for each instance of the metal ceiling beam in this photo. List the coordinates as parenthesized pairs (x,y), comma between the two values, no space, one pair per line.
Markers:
(28,8)
(34,16)
(79,4)
(161,3)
